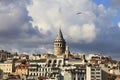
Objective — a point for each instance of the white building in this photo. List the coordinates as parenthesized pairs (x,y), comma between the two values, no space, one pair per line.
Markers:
(48,68)
(93,73)
(75,74)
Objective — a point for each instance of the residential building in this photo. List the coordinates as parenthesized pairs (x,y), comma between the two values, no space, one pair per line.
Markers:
(61,65)
(93,73)
(6,67)
(22,69)
(45,67)
(75,74)
(5,55)
(38,68)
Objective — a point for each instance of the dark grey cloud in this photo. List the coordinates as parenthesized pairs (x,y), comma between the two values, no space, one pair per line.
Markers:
(115,4)
(16,31)
(106,43)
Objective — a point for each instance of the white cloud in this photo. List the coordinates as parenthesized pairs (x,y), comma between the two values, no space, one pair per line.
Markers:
(48,15)
(86,33)
(119,24)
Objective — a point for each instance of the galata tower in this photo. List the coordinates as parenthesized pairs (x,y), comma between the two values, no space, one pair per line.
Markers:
(59,44)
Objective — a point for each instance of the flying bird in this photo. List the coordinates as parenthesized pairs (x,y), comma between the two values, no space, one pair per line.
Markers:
(79,13)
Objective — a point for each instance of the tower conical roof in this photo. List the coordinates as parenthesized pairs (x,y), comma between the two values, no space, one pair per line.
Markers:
(60,35)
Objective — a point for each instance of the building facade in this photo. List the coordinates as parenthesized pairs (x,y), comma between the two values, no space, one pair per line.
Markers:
(93,73)
(75,74)
(22,69)
(6,67)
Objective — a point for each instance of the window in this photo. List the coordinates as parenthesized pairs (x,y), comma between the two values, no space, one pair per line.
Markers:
(92,76)
(92,73)
(97,76)
(97,72)
(55,61)
(50,61)
(92,69)
(74,78)
(98,69)
(60,61)
(82,79)
(45,69)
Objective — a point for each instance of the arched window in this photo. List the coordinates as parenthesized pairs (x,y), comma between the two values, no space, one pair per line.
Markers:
(34,74)
(49,61)
(55,61)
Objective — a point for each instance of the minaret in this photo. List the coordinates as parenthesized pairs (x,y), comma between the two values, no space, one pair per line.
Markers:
(59,44)
(67,52)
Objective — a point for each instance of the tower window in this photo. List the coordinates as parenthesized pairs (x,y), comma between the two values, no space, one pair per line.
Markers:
(55,61)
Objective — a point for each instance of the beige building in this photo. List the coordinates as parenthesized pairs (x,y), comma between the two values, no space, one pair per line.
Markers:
(117,78)
(6,67)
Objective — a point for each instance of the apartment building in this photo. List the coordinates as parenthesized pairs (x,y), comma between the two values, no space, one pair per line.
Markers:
(6,67)
(93,73)
(22,69)
(75,74)
(45,67)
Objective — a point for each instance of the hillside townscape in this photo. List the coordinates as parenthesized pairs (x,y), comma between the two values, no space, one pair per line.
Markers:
(59,39)
(61,65)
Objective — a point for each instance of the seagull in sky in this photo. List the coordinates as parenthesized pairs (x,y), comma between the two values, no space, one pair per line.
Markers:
(79,13)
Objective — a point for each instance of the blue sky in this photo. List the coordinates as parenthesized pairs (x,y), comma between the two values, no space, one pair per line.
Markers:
(107,4)
(31,26)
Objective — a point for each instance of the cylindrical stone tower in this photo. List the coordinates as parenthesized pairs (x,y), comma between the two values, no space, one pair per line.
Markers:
(59,44)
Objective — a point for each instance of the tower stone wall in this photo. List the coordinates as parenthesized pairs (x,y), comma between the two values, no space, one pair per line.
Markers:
(59,44)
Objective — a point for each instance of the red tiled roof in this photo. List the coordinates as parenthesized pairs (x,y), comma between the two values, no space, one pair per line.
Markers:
(22,67)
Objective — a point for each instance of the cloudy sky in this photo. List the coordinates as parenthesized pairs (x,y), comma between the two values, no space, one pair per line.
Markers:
(31,25)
